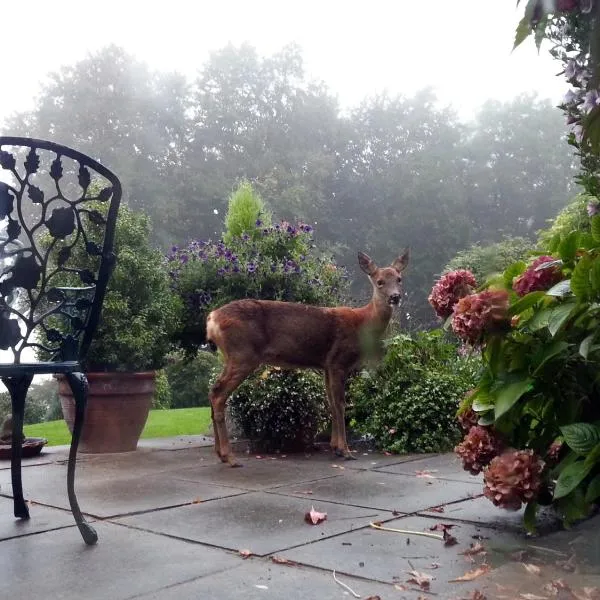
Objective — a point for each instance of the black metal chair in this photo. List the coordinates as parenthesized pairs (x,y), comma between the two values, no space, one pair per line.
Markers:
(51,214)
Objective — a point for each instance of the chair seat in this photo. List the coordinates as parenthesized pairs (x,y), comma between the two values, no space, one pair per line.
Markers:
(41,368)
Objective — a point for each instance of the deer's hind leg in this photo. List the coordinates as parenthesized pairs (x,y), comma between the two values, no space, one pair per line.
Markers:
(232,376)
(335,440)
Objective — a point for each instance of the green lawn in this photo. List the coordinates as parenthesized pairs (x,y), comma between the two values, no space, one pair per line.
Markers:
(161,423)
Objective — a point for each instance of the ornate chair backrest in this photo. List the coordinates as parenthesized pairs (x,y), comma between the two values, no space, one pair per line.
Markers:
(58,212)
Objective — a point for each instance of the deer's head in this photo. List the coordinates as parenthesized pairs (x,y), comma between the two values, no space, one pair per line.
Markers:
(386,281)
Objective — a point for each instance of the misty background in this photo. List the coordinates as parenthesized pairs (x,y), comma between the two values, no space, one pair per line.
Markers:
(383,124)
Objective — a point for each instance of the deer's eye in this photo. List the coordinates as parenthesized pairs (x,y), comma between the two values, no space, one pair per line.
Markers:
(399,279)
(379,282)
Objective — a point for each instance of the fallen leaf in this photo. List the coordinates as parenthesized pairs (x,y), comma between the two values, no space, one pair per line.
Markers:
(262,587)
(308,492)
(475,595)
(197,501)
(396,513)
(423,580)
(245,553)
(373,598)
(337,467)
(312,517)
(434,566)
(258,457)
(436,509)
(387,453)
(378,523)
(555,586)
(449,540)
(470,575)
(427,473)
(532,597)
(441,526)
(587,593)
(475,549)
(280,560)
(400,587)
(533,569)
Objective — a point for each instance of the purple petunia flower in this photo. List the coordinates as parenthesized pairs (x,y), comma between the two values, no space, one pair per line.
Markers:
(592,99)
(184,258)
(593,208)
(245,237)
(251,268)
(259,223)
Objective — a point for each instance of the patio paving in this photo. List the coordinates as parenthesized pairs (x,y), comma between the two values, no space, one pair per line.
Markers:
(172,520)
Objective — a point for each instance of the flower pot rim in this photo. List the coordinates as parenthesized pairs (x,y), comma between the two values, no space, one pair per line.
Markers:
(113,374)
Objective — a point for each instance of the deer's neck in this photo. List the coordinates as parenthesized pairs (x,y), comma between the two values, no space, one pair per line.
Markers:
(378,314)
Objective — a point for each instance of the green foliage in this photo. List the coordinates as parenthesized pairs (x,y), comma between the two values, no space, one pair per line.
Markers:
(409,403)
(41,398)
(486,261)
(572,217)
(280,409)
(162,393)
(189,380)
(140,313)
(246,208)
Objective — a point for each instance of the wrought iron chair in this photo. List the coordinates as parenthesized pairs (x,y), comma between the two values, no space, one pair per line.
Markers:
(51,215)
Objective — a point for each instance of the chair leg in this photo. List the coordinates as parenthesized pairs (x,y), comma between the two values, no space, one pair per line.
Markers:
(17,387)
(79,385)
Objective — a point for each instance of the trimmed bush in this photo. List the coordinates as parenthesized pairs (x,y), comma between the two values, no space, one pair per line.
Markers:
(280,410)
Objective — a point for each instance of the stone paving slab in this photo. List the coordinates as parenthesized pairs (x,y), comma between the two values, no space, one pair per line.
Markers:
(257,521)
(257,580)
(442,466)
(42,519)
(103,497)
(383,491)
(258,474)
(388,557)
(481,511)
(124,563)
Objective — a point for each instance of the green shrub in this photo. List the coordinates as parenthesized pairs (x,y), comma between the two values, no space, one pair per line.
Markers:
(280,409)
(40,398)
(189,380)
(573,217)
(140,313)
(245,209)
(485,261)
(409,403)
(162,393)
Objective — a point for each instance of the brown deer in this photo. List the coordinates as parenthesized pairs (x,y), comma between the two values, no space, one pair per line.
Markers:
(251,333)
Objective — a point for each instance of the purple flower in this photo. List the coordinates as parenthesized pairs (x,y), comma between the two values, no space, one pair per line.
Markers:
(593,208)
(273,267)
(591,101)
(183,259)
(251,268)
(245,237)
(259,223)
(221,271)
(571,97)
(572,70)
(291,230)
(235,269)
(306,228)
(174,249)
(266,231)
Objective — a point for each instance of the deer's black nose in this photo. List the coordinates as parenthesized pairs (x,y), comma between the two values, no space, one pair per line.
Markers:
(395,299)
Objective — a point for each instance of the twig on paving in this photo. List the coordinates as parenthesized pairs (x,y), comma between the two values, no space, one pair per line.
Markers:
(407,532)
(346,587)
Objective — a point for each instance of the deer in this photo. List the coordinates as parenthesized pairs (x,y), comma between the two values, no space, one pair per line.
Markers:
(251,333)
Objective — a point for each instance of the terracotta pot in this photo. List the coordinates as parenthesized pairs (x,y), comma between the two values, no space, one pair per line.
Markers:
(116,412)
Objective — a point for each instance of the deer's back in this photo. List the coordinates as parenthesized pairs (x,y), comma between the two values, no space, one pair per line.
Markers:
(280,333)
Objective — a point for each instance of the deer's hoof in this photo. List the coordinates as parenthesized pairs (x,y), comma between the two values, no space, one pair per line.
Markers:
(232,462)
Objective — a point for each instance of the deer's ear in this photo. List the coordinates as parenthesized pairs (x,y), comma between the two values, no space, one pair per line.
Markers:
(401,262)
(366,264)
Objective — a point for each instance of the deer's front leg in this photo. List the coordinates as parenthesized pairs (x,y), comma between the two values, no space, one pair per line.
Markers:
(335,439)
(337,380)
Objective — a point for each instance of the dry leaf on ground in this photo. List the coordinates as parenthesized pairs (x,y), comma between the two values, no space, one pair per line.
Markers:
(530,568)
(280,560)
(476,548)
(307,492)
(587,593)
(474,574)
(475,595)
(441,526)
(373,598)
(423,580)
(426,473)
(313,517)
(449,540)
(436,509)
(245,553)
(532,597)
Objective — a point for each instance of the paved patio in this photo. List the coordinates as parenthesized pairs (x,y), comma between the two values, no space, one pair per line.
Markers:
(172,520)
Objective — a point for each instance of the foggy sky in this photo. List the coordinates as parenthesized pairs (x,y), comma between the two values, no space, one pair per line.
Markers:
(359,48)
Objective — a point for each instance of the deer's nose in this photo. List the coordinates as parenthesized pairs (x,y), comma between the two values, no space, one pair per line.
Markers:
(395,299)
